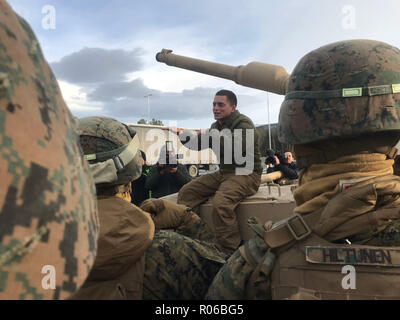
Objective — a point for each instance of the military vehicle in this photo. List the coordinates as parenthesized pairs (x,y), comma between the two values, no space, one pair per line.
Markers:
(257,75)
(152,138)
(272,202)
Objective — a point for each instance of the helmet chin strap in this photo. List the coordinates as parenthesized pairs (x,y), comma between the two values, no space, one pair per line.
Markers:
(106,171)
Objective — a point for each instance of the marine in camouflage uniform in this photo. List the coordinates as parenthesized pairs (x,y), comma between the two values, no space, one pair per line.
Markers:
(134,260)
(179,266)
(48,211)
(182,260)
(342,115)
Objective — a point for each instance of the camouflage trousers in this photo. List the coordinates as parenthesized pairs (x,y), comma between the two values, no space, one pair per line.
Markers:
(232,280)
(180,267)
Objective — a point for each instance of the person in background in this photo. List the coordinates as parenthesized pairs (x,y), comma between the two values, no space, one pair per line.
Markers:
(286,165)
(139,192)
(167,176)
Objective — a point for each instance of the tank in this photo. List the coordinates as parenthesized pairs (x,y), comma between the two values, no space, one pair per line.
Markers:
(257,75)
(272,202)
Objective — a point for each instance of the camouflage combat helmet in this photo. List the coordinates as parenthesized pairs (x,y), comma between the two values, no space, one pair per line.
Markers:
(344,89)
(112,149)
(48,210)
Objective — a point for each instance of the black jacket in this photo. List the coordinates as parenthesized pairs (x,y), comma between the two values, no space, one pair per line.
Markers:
(289,171)
(162,185)
(139,192)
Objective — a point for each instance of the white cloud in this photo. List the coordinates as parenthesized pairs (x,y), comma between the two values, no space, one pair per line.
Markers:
(94,65)
(223,31)
(76,99)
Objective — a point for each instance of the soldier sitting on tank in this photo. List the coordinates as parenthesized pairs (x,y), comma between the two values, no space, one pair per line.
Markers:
(133,259)
(284,164)
(341,113)
(167,176)
(234,181)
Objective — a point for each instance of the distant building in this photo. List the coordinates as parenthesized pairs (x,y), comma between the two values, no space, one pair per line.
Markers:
(265,126)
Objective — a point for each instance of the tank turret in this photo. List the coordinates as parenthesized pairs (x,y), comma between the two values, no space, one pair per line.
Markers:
(257,75)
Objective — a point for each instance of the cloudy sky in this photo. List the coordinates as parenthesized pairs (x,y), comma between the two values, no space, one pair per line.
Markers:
(103,51)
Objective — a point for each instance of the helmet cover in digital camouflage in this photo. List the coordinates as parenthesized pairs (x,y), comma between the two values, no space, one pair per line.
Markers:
(343,89)
(104,141)
(48,210)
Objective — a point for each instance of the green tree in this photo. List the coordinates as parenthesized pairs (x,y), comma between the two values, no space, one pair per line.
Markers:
(276,145)
(153,122)
(156,122)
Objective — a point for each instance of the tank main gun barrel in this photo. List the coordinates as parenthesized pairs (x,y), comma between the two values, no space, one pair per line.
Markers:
(257,75)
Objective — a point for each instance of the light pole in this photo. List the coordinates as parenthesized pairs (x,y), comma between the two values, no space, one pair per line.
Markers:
(269,123)
(148,106)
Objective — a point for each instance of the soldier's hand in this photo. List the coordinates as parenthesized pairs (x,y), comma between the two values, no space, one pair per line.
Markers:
(161,168)
(173,170)
(276,160)
(152,206)
(174,129)
(166,215)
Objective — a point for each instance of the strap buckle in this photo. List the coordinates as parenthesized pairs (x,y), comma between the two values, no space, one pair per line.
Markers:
(297,237)
(119,164)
